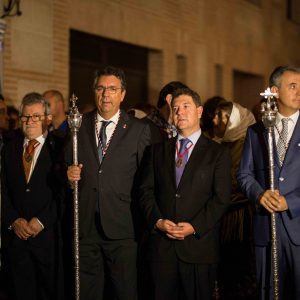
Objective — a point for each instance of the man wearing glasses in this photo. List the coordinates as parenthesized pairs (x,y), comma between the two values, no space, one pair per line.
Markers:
(111,145)
(29,190)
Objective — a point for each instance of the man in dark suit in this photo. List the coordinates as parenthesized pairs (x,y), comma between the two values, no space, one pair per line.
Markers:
(184,192)
(253,177)
(110,148)
(29,216)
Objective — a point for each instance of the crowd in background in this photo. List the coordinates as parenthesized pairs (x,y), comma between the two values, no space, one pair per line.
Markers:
(143,236)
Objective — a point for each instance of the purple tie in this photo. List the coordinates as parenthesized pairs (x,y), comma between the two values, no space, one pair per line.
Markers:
(182,157)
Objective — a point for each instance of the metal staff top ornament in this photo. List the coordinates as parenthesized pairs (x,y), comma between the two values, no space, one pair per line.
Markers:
(269,108)
(74,118)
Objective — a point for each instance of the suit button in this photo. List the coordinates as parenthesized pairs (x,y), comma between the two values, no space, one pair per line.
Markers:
(100,171)
(281,178)
(27,190)
(177,195)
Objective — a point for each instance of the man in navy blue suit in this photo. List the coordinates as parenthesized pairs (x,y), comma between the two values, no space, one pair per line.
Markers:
(253,179)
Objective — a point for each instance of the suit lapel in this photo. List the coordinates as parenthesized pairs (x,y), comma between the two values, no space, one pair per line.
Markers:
(193,162)
(169,158)
(120,131)
(19,159)
(275,154)
(294,144)
(41,159)
(90,133)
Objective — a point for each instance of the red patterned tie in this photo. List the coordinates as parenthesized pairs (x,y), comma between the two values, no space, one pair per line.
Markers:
(28,156)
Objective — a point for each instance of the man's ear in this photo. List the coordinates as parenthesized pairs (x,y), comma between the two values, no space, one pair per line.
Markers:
(200,111)
(274,89)
(123,95)
(49,119)
(169,99)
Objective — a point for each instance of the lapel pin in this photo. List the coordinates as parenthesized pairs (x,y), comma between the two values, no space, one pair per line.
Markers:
(125,126)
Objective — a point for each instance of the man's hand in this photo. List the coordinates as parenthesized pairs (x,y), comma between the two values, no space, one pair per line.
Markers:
(22,229)
(187,228)
(35,226)
(272,201)
(74,172)
(175,231)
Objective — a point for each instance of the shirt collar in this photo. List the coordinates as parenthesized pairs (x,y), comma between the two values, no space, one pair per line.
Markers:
(193,137)
(113,119)
(293,117)
(41,139)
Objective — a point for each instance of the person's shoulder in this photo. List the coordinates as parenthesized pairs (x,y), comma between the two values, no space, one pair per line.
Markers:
(133,122)
(130,118)
(213,146)
(257,125)
(13,141)
(257,128)
(89,115)
(209,142)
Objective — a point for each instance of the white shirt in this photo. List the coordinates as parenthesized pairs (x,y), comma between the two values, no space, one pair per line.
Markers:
(291,125)
(110,127)
(193,140)
(41,139)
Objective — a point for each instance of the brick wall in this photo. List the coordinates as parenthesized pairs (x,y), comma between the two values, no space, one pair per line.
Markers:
(235,34)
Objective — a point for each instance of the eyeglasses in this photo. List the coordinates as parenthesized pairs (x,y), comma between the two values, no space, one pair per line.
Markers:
(34,118)
(110,89)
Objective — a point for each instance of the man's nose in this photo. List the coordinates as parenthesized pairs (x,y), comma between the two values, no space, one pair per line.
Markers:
(179,111)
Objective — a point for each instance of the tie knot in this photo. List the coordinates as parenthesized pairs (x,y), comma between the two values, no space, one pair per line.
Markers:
(32,144)
(285,121)
(105,123)
(183,144)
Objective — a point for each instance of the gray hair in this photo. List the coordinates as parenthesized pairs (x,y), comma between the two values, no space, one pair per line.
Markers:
(34,98)
(275,78)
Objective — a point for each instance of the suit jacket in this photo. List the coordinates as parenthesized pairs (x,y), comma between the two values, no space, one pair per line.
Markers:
(110,185)
(201,199)
(38,197)
(253,178)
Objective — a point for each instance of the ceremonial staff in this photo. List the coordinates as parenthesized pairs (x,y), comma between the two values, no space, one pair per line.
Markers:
(74,121)
(269,111)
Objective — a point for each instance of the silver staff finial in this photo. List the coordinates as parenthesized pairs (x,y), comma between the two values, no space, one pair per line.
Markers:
(74,117)
(268,93)
(269,108)
(73,100)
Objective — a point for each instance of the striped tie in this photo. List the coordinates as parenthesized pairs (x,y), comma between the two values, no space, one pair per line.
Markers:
(282,143)
(28,156)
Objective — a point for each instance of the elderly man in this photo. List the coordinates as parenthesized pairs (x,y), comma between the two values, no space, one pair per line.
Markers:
(29,191)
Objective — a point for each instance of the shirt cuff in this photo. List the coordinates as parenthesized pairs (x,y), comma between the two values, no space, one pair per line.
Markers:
(40,223)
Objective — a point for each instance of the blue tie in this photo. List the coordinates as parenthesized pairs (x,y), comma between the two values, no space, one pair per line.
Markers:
(182,158)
